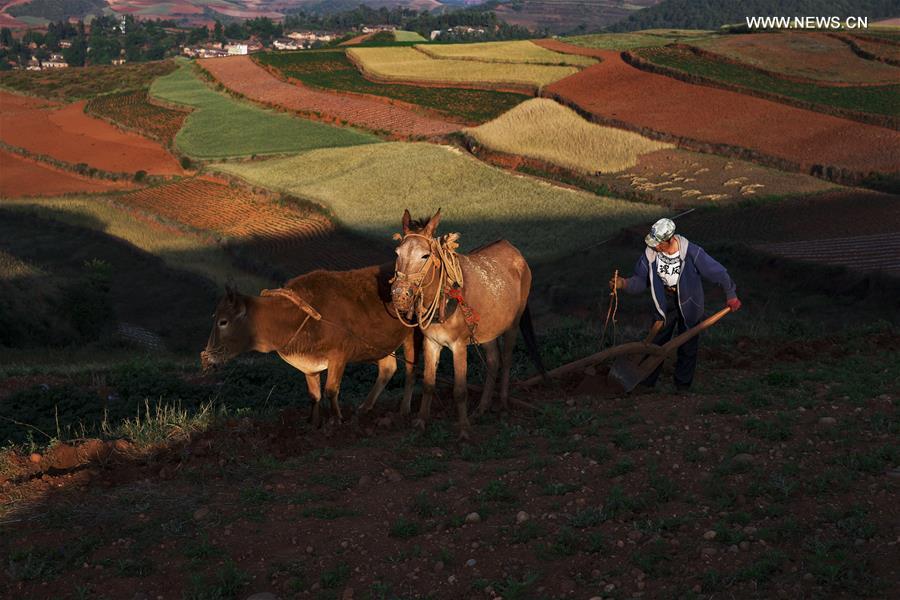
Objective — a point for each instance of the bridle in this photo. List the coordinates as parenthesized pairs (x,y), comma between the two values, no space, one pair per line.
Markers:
(443,266)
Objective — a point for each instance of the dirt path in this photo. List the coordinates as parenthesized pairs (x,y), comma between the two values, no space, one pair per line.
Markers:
(618,92)
(68,134)
(240,74)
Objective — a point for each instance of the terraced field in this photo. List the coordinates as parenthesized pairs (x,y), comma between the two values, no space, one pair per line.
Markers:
(25,177)
(407,36)
(546,130)
(65,133)
(331,70)
(133,110)
(515,52)
(638,39)
(874,99)
(221,127)
(409,65)
(881,49)
(615,91)
(261,231)
(368,187)
(240,74)
(815,56)
(87,82)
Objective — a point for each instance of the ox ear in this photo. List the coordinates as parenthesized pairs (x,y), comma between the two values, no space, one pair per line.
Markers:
(433,223)
(407,219)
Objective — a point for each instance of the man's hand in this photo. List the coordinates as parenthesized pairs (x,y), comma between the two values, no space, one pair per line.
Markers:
(617,283)
(734,304)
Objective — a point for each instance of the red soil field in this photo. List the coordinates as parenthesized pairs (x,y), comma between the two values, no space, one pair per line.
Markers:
(67,134)
(616,92)
(135,111)
(24,177)
(240,74)
(255,226)
(356,40)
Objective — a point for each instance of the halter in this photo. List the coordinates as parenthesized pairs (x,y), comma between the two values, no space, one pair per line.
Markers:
(443,264)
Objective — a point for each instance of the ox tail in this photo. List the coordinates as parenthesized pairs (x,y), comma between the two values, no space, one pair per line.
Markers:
(526,326)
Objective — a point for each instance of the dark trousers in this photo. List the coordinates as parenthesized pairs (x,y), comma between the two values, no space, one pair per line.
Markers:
(686,361)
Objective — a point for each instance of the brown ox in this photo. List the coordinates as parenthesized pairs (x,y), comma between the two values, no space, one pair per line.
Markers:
(357,324)
(496,281)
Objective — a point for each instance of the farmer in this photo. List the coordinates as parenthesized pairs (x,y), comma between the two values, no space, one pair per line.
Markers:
(673,267)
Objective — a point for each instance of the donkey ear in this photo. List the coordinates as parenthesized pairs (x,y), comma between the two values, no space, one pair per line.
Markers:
(240,303)
(433,223)
(407,218)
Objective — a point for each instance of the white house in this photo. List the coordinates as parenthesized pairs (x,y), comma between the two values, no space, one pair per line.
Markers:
(234,49)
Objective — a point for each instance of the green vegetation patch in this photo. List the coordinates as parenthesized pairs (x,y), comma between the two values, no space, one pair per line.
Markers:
(408,36)
(881,99)
(221,127)
(331,69)
(640,39)
(368,187)
(85,82)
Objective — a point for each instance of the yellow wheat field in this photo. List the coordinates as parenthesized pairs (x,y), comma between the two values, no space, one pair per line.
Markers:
(521,51)
(545,130)
(408,64)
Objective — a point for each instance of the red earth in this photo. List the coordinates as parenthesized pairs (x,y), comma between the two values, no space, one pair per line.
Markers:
(240,74)
(67,134)
(615,91)
(24,177)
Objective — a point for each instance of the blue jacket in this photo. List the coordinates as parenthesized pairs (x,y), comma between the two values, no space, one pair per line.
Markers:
(696,264)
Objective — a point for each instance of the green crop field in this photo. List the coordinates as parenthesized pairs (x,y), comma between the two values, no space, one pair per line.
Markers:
(330,69)
(86,82)
(400,63)
(519,51)
(638,39)
(880,99)
(367,188)
(222,127)
(408,36)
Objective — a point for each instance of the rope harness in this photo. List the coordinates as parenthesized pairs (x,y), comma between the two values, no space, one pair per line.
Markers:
(611,312)
(300,303)
(443,267)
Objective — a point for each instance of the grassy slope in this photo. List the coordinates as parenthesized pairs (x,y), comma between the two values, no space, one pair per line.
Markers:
(520,51)
(221,127)
(368,187)
(543,129)
(87,82)
(408,64)
(330,69)
(884,100)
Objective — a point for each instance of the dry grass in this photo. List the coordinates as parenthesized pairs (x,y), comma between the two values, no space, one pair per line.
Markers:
(178,249)
(543,129)
(408,64)
(638,39)
(521,51)
(367,188)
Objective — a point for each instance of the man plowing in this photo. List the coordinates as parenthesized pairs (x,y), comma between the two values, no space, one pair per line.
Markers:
(674,269)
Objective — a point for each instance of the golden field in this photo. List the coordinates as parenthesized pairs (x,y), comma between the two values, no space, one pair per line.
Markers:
(408,64)
(520,51)
(546,130)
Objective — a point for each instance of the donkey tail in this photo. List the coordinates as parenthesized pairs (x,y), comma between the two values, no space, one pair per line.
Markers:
(526,326)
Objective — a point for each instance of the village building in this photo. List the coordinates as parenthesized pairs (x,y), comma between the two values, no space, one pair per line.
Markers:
(237,49)
(312,36)
(56,61)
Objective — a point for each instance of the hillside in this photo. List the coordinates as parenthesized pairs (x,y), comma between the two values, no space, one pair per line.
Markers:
(567,16)
(707,14)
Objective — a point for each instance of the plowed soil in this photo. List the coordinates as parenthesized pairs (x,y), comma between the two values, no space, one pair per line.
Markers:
(259,230)
(67,134)
(240,74)
(24,177)
(617,92)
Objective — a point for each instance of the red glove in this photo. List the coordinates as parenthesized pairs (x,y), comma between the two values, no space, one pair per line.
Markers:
(734,304)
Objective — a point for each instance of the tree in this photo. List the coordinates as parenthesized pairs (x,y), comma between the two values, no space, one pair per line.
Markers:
(6,37)
(76,54)
(219,32)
